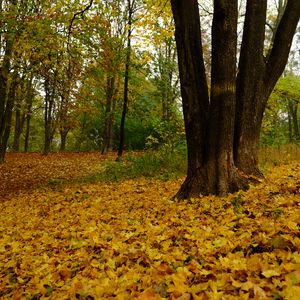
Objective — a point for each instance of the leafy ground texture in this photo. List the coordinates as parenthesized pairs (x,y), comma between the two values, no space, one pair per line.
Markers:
(128,240)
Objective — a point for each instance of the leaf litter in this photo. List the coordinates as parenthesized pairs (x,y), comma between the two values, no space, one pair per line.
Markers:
(128,240)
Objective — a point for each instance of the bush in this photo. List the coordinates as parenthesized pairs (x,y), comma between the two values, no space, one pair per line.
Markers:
(157,164)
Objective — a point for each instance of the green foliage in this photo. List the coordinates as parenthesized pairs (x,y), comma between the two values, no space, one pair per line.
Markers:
(166,135)
(237,202)
(278,125)
(154,164)
(136,132)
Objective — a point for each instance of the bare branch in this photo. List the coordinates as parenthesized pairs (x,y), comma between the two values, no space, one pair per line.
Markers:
(79,13)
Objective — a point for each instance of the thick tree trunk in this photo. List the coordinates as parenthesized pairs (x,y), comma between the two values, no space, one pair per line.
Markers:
(8,117)
(209,125)
(63,140)
(223,176)
(224,131)
(5,102)
(194,92)
(250,90)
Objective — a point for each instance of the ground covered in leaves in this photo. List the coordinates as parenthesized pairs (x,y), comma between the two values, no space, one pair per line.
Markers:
(128,240)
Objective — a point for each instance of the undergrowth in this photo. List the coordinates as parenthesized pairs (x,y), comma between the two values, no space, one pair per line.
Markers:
(155,164)
(168,163)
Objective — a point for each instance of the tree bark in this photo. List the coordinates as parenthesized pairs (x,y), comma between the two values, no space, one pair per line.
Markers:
(109,115)
(63,140)
(8,117)
(48,115)
(194,92)
(293,119)
(18,128)
(223,176)
(223,132)
(257,77)
(27,132)
(250,89)
(29,101)
(130,6)
(5,101)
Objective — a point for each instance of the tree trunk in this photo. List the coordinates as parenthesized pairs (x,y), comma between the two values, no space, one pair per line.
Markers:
(126,79)
(18,130)
(19,125)
(27,132)
(194,91)
(48,116)
(29,101)
(6,103)
(257,77)
(224,131)
(293,115)
(290,127)
(7,117)
(63,140)
(216,172)
(223,176)
(109,115)
(251,96)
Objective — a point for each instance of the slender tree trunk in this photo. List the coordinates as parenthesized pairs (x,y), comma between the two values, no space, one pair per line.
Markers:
(18,129)
(293,117)
(27,132)
(109,115)
(126,79)
(19,118)
(48,116)
(29,101)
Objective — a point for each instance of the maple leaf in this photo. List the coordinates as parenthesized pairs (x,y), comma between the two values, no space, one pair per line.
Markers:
(104,240)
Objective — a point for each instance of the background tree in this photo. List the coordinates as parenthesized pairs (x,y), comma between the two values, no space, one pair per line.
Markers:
(131,9)
(281,120)
(9,14)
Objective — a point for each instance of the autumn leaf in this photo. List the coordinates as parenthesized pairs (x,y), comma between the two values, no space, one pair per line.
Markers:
(104,240)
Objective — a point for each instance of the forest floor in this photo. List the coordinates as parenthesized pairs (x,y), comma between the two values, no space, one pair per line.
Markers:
(61,238)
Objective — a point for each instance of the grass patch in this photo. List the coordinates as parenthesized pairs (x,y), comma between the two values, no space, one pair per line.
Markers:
(272,156)
(152,164)
(172,163)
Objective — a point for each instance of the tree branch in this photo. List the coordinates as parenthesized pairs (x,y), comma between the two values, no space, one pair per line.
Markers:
(77,14)
(282,43)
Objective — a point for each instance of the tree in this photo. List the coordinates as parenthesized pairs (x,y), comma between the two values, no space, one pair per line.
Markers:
(223,126)
(131,7)
(282,111)
(6,91)
(112,44)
